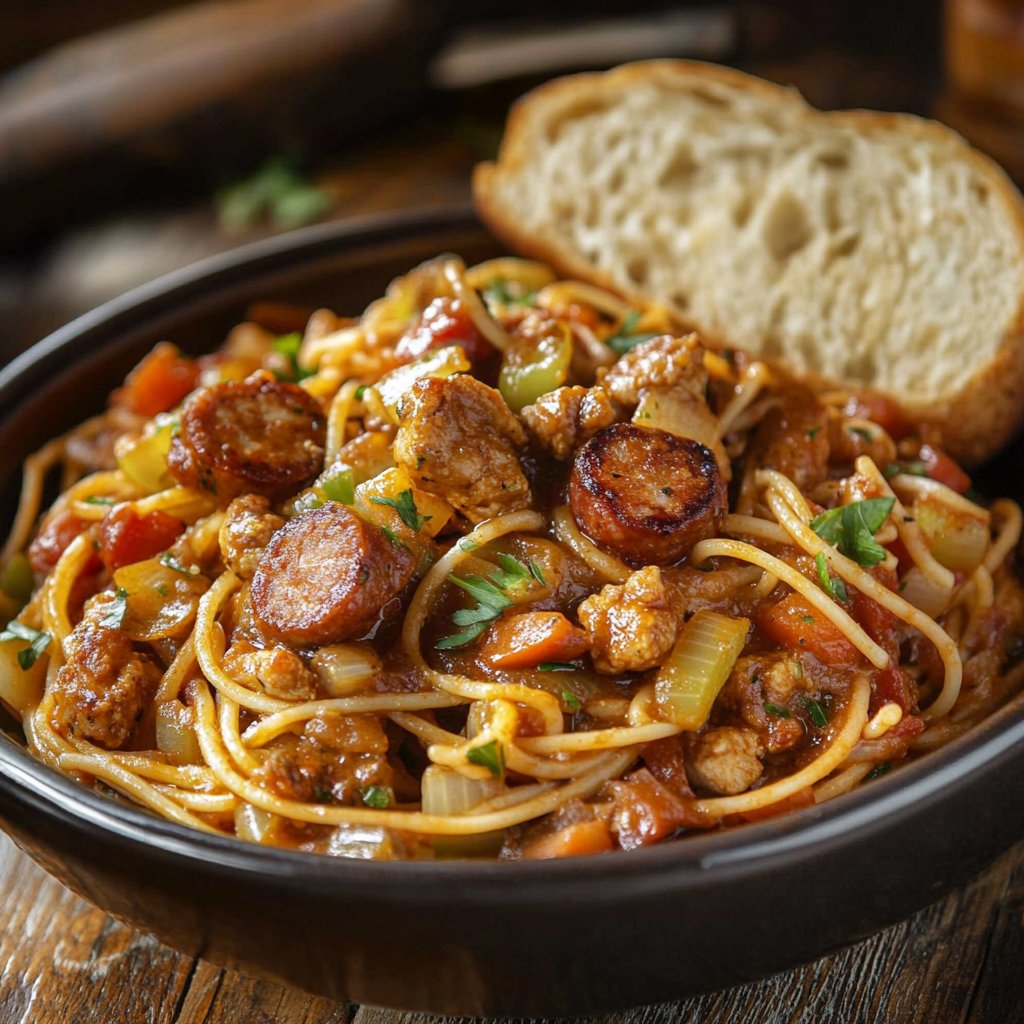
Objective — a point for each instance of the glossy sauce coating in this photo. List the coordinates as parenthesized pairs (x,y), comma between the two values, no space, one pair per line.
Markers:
(259,435)
(646,495)
(325,577)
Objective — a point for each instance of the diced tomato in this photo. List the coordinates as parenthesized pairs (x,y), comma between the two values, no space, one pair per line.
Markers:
(572,841)
(800,799)
(158,383)
(908,727)
(444,322)
(52,541)
(943,469)
(794,624)
(665,761)
(883,411)
(128,537)
(644,811)
(531,638)
(892,683)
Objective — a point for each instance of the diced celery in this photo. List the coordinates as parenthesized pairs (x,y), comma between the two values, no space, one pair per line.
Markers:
(338,484)
(688,683)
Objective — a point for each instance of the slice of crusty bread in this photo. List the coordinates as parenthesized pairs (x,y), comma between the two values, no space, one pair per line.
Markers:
(875,251)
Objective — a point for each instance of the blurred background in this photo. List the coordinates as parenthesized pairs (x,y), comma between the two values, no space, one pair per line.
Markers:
(137,136)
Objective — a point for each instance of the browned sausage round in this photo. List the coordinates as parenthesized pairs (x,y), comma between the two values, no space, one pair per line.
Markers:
(259,435)
(646,495)
(325,577)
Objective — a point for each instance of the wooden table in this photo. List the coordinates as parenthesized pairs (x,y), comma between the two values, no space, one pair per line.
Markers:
(63,960)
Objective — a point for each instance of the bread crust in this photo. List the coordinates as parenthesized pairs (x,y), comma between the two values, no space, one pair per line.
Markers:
(974,421)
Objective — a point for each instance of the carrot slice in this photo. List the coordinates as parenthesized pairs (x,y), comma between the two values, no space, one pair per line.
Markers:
(572,841)
(531,638)
(794,624)
(158,383)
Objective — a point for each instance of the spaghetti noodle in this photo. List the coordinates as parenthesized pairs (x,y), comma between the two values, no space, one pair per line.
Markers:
(459,568)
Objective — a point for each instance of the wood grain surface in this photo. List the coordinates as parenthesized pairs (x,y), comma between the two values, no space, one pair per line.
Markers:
(64,961)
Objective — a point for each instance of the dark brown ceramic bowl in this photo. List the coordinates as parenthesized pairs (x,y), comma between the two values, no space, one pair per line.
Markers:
(539,938)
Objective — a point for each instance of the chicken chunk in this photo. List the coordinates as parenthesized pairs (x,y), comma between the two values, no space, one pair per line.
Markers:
(661,362)
(631,627)
(247,529)
(725,761)
(562,420)
(459,439)
(104,685)
(759,690)
(279,672)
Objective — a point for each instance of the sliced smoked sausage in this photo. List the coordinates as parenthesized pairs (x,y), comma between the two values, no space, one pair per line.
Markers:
(325,577)
(256,436)
(646,495)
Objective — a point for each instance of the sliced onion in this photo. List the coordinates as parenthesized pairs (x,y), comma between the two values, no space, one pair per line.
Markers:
(688,683)
(21,689)
(439,362)
(255,824)
(176,734)
(446,791)
(346,669)
(144,459)
(924,593)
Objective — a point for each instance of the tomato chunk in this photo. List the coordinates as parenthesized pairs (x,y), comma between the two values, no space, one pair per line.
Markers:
(572,841)
(444,322)
(943,469)
(883,411)
(53,539)
(794,624)
(128,537)
(521,641)
(891,683)
(158,383)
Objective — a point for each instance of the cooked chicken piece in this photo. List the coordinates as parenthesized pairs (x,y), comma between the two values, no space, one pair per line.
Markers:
(279,672)
(630,627)
(660,362)
(459,439)
(762,681)
(562,420)
(104,685)
(725,761)
(246,531)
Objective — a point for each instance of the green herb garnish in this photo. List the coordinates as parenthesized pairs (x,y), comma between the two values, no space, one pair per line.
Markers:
(861,432)
(405,506)
(813,433)
(572,701)
(169,561)
(537,574)
(377,797)
(95,499)
(37,642)
(288,345)
(322,795)
(806,618)
(774,709)
(115,612)
(852,529)
(624,339)
(835,588)
(878,771)
(490,756)
(497,294)
(817,712)
(556,666)
(393,537)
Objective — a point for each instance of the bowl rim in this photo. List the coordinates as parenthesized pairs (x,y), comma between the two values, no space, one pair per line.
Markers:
(721,853)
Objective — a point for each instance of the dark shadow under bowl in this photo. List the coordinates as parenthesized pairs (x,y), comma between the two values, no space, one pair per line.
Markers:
(536,938)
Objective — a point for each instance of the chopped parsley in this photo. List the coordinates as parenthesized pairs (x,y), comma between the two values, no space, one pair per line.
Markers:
(490,756)
(878,771)
(37,642)
(572,701)
(852,529)
(537,574)
(360,391)
(393,537)
(377,797)
(556,666)
(322,795)
(497,294)
(95,499)
(861,432)
(162,589)
(813,433)
(405,506)
(819,716)
(913,468)
(491,596)
(835,588)
(806,618)
(625,339)
(774,709)
(116,610)
(169,561)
